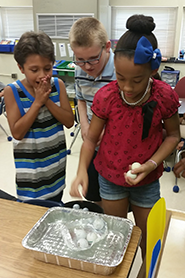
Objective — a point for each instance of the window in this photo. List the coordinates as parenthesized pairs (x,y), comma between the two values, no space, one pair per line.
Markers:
(15,21)
(58,25)
(164,18)
(182,41)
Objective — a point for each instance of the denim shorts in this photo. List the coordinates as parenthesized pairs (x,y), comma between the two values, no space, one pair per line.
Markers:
(142,196)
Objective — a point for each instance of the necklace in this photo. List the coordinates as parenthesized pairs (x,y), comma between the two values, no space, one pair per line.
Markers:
(134,103)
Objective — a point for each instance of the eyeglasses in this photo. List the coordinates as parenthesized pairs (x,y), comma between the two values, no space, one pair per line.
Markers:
(90,62)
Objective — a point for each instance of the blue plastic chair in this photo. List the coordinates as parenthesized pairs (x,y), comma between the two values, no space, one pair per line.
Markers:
(177,159)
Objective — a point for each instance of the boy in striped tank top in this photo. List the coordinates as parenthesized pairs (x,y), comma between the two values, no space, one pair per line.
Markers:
(37,110)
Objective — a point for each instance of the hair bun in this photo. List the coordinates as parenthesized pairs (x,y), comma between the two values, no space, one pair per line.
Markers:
(140,24)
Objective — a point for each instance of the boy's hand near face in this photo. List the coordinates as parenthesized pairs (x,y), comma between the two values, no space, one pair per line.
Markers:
(43,90)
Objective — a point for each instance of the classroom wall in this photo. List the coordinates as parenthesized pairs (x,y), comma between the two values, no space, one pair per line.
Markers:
(158,3)
(7,62)
(15,3)
(63,6)
(101,10)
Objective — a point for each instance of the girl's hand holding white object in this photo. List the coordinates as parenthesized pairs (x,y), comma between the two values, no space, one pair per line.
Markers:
(140,170)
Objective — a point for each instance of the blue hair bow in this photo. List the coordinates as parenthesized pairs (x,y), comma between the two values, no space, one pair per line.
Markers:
(144,53)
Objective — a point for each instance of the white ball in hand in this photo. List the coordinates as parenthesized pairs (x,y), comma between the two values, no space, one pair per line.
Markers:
(135,165)
(130,175)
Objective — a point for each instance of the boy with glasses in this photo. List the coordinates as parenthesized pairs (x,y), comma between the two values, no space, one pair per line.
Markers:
(95,68)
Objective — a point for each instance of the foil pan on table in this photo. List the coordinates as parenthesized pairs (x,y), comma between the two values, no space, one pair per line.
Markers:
(53,239)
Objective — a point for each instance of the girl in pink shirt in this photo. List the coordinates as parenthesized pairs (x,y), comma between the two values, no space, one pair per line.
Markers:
(132,110)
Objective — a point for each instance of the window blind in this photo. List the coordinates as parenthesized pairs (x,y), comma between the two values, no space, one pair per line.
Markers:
(164,18)
(15,21)
(58,25)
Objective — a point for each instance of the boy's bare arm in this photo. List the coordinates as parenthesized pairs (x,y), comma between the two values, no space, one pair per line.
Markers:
(62,113)
(19,125)
(86,154)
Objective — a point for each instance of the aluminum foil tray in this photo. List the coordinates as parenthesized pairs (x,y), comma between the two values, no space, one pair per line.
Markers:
(59,236)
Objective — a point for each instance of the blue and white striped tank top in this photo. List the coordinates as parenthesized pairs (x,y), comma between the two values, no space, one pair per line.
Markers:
(40,158)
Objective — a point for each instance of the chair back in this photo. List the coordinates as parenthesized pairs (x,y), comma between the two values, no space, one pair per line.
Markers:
(180,88)
(155,229)
(77,116)
(2,105)
(3,112)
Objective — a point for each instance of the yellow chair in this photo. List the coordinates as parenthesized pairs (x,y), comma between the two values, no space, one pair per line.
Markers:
(157,228)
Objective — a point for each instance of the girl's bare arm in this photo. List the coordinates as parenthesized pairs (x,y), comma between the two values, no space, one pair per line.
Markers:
(166,148)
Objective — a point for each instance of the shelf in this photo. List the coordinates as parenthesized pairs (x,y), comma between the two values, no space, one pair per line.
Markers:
(64,70)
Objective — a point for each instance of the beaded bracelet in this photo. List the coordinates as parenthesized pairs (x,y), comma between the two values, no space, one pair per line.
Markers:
(150,160)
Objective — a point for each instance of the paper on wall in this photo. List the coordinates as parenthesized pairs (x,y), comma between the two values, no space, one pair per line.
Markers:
(70,51)
(62,49)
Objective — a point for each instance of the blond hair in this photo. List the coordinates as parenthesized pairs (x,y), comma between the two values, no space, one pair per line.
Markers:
(86,32)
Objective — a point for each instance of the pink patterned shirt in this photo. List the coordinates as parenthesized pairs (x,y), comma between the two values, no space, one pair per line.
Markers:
(122,142)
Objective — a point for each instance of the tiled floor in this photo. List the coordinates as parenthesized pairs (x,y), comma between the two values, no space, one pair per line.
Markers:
(174,253)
